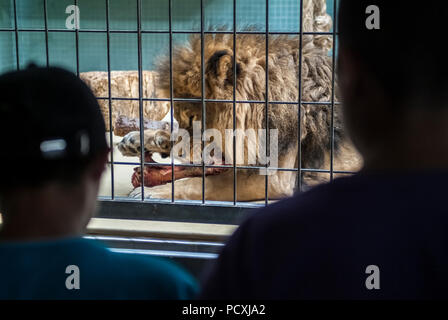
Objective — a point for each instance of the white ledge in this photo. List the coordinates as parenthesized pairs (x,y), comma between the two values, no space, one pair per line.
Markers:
(160,229)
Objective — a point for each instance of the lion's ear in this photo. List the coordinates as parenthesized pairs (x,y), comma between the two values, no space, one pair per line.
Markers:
(220,66)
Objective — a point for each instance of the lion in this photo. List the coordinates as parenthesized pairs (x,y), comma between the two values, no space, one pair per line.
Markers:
(282,69)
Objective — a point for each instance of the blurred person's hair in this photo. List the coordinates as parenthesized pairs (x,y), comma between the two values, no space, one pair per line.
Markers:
(40,107)
(407,55)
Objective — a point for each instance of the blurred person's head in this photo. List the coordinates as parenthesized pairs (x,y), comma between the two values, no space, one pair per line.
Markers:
(53,151)
(394,82)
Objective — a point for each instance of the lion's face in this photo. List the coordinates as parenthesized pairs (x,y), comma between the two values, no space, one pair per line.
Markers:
(187,74)
(186,114)
(218,85)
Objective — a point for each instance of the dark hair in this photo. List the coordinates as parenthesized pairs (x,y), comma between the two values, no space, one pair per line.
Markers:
(407,54)
(36,174)
(46,105)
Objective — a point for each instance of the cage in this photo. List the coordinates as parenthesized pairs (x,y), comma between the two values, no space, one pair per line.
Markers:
(163,68)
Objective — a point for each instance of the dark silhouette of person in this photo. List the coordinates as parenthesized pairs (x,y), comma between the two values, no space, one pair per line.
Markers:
(53,154)
(381,233)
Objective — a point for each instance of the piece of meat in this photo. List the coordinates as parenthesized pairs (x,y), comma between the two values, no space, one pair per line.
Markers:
(157,175)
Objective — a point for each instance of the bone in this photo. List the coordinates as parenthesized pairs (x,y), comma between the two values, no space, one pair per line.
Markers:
(157,175)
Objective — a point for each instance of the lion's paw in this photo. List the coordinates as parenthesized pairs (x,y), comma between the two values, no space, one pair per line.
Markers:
(153,141)
(130,144)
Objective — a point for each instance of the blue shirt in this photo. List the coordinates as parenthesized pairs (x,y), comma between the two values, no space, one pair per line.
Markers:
(37,270)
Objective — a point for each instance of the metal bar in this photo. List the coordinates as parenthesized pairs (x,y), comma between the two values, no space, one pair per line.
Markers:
(189,246)
(267,103)
(299,112)
(333,79)
(171,97)
(77,40)
(167,32)
(16,30)
(234,106)
(144,241)
(111,139)
(203,99)
(140,94)
(219,100)
(188,211)
(168,254)
(46,33)
(191,165)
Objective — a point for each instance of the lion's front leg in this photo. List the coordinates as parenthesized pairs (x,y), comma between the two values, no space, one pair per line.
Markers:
(157,192)
(185,189)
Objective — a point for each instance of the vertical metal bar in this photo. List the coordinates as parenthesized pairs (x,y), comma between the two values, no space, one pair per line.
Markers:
(77,39)
(202,99)
(16,30)
(46,33)
(333,67)
(234,105)
(140,100)
(111,139)
(171,96)
(267,102)
(299,115)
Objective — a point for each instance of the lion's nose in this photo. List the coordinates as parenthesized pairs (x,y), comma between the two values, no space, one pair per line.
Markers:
(162,140)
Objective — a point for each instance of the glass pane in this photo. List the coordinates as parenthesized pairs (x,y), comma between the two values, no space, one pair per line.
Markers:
(7,51)
(30,14)
(186,15)
(32,48)
(155,15)
(123,51)
(123,14)
(62,50)
(92,52)
(6,14)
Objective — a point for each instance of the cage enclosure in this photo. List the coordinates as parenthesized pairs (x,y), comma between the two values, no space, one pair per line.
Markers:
(213,107)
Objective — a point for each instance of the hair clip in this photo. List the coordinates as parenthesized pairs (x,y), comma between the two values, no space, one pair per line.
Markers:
(52,149)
